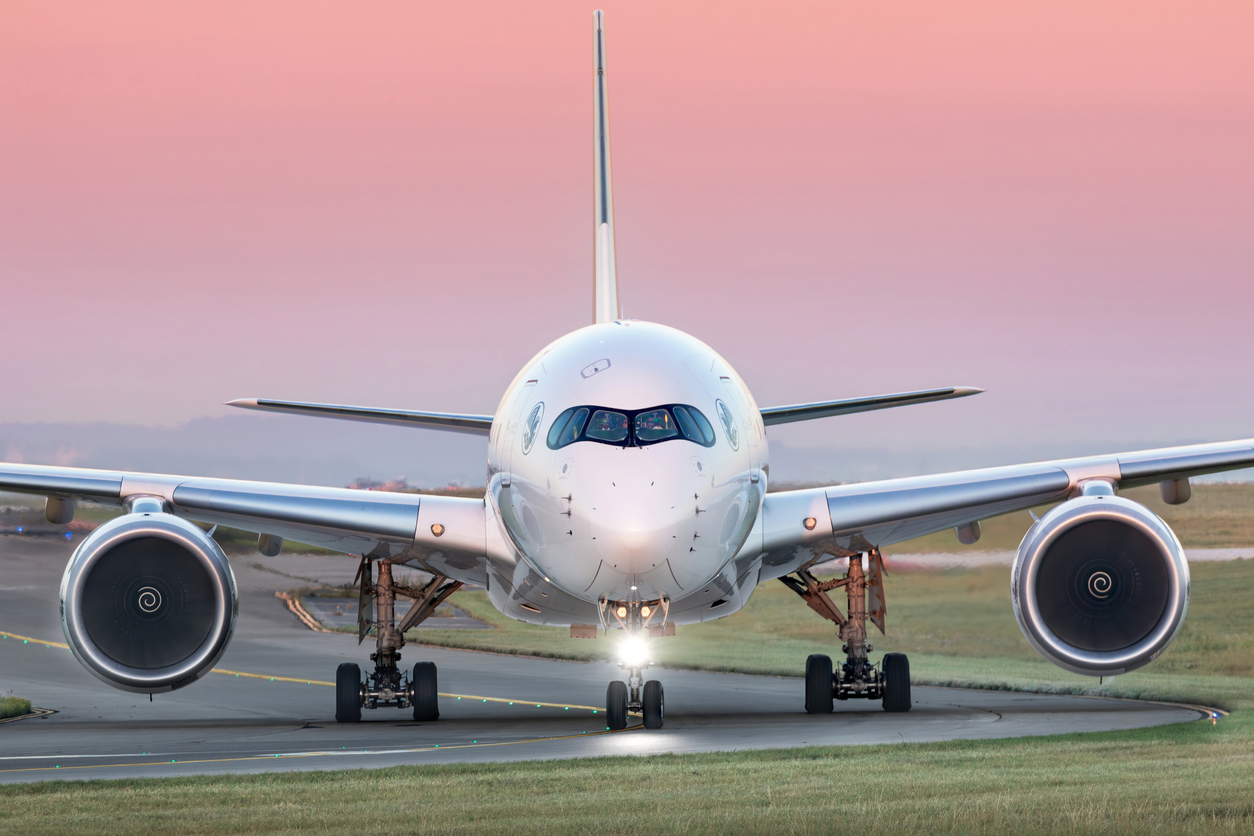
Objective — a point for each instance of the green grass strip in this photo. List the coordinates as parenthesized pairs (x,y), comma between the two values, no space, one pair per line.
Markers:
(1191,778)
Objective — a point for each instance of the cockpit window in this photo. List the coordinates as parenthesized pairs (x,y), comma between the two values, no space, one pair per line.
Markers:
(567,427)
(655,425)
(630,428)
(694,425)
(607,426)
(575,427)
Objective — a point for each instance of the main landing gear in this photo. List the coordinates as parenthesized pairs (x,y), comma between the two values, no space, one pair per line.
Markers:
(637,619)
(857,677)
(388,684)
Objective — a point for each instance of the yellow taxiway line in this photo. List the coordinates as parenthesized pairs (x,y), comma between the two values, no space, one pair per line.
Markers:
(247,675)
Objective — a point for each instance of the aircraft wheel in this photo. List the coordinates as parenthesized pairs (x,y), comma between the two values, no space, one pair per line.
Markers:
(348,693)
(896,682)
(654,704)
(426,692)
(819,684)
(616,705)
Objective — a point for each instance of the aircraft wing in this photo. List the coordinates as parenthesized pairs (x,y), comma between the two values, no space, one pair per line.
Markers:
(450,421)
(826,409)
(343,519)
(848,519)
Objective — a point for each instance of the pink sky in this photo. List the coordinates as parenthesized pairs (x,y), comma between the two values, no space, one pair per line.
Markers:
(390,204)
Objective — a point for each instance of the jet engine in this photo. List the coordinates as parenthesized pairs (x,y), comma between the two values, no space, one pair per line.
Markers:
(1100,584)
(148,602)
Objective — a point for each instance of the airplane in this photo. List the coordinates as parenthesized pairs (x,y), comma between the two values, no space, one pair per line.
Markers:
(627,476)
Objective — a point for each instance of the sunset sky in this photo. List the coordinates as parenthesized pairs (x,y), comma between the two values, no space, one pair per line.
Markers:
(391,204)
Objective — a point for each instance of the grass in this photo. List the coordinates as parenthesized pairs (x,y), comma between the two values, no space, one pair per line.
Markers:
(1190,778)
(13,707)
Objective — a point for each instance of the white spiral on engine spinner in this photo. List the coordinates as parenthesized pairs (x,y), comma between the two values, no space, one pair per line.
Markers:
(1100,584)
(149,599)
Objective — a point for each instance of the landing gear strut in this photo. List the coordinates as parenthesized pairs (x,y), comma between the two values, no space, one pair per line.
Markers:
(857,677)
(637,619)
(388,684)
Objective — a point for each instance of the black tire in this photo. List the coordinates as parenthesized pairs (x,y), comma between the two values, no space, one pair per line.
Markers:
(819,684)
(426,692)
(896,669)
(348,693)
(654,704)
(616,705)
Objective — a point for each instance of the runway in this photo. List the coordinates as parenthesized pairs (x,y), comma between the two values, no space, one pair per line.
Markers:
(269,706)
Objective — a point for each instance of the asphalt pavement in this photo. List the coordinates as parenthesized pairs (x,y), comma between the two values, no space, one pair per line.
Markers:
(269,705)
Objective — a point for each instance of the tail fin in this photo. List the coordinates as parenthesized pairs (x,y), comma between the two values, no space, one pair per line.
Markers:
(605,300)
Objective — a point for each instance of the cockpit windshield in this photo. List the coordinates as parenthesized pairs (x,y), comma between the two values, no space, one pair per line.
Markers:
(607,426)
(631,428)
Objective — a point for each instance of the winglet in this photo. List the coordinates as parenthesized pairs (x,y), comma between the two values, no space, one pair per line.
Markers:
(605,298)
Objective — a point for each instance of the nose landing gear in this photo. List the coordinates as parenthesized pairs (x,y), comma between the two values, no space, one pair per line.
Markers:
(646,697)
(387,685)
(857,678)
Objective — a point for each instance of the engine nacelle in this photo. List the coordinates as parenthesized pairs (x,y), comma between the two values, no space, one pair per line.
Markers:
(1100,585)
(148,603)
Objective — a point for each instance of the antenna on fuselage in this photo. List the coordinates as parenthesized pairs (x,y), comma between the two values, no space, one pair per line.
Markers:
(605,291)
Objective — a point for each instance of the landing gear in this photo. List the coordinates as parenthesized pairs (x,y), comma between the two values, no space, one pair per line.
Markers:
(896,674)
(348,693)
(424,693)
(819,684)
(620,699)
(637,619)
(616,705)
(654,704)
(857,677)
(387,685)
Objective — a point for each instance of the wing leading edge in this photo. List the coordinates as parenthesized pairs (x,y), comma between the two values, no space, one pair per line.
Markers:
(854,518)
(396,525)
(449,421)
(826,409)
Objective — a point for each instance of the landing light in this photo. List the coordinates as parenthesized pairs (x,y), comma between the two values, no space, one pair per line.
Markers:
(634,652)
(645,611)
(622,612)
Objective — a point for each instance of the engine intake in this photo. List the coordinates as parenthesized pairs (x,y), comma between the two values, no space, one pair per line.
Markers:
(148,603)
(1100,585)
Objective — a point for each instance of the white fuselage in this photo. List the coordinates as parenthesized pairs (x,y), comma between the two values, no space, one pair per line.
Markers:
(627,519)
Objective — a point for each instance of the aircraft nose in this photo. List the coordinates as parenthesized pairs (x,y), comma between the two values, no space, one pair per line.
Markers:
(635,526)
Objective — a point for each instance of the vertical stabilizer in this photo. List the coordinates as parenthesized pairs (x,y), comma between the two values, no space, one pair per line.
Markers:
(605,299)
